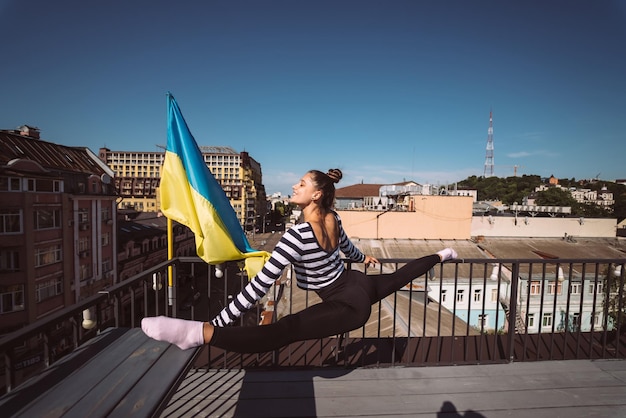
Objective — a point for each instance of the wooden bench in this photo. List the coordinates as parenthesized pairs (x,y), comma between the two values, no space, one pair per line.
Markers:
(119,373)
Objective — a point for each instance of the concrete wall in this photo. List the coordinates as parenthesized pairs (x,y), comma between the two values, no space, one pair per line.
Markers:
(504,226)
(433,217)
(450,217)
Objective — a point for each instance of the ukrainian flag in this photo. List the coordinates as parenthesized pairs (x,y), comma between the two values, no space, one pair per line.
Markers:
(191,196)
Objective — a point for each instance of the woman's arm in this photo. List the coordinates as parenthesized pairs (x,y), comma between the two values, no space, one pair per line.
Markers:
(350,250)
(346,246)
(284,254)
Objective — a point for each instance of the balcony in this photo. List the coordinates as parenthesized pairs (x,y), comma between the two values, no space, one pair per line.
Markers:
(507,336)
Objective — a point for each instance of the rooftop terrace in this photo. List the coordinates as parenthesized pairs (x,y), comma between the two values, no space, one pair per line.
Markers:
(417,356)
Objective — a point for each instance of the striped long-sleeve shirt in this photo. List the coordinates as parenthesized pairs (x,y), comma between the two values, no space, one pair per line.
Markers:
(315,268)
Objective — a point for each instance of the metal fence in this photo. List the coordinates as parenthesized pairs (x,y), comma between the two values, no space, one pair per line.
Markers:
(462,312)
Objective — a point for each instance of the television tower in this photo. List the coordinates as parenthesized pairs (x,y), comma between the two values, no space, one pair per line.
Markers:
(489,156)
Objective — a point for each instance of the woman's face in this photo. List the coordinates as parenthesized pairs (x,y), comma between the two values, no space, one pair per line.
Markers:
(304,191)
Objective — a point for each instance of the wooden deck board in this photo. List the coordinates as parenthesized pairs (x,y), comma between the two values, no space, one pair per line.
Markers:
(156,382)
(572,388)
(121,372)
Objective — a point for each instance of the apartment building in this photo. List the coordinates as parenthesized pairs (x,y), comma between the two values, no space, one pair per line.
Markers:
(603,198)
(138,174)
(57,226)
(136,177)
(574,303)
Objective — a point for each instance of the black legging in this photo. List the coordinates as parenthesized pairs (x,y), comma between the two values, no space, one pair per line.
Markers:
(346,305)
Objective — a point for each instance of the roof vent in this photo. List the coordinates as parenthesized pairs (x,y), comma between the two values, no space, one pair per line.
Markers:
(29,131)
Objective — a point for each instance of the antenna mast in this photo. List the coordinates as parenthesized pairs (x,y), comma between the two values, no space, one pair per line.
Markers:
(489,155)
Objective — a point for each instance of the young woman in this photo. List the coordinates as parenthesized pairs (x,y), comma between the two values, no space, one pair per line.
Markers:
(313,248)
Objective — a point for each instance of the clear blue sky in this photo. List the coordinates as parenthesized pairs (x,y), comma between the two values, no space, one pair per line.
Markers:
(385,90)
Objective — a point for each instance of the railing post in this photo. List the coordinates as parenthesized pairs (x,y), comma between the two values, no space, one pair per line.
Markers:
(132,307)
(116,310)
(513,310)
(46,349)
(9,377)
(173,290)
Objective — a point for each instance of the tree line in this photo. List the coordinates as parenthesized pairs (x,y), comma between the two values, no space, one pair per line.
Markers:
(512,190)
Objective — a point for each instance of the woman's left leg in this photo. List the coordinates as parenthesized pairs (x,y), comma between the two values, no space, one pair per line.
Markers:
(386,284)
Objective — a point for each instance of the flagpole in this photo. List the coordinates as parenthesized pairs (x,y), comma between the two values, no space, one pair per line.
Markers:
(170,256)
(191,196)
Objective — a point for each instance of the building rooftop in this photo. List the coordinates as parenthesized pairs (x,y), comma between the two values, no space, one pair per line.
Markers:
(358,191)
(15,148)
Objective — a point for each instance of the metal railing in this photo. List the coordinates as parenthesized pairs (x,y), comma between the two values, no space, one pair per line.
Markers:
(461,312)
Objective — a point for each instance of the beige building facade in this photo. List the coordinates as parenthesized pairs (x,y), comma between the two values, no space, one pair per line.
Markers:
(431,217)
(450,218)
(138,175)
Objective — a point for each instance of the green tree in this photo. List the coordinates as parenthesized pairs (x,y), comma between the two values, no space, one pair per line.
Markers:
(512,190)
(614,281)
(509,190)
(556,196)
(619,194)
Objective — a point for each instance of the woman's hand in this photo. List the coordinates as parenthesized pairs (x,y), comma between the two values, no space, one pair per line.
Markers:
(370,260)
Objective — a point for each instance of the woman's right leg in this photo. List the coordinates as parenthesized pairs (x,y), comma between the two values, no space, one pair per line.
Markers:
(317,321)
(386,284)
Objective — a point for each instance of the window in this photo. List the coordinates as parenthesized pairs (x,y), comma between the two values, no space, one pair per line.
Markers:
(547,320)
(10,184)
(84,244)
(575,325)
(106,239)
(575,288)
(494,295)
(47,218)
(10,221)
(48,289)
(47,255)
(443,295)
(552,286)
(106,265)
(535,288)
(483,320)
(11,298)
(44,185)
(459,295)
(477,295)
(598,287)
(85,272)
(83,216)
(9,260)
(531,320)
(106,213)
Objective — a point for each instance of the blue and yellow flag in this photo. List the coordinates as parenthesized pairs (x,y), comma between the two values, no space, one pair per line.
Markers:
(191,196)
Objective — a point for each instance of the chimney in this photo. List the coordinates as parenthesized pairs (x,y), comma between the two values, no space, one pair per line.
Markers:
(29,131)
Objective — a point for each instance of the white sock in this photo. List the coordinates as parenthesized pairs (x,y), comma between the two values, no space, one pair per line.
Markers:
(447,254)
(185,334)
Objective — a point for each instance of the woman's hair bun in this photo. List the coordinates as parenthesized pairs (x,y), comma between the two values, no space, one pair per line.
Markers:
(335,174)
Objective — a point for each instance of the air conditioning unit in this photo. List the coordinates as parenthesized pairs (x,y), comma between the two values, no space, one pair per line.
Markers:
(110,222)
(84,227)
